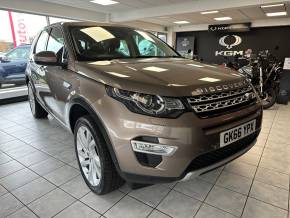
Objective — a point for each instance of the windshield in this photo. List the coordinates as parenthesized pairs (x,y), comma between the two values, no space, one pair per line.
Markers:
(105,43)
(18,53)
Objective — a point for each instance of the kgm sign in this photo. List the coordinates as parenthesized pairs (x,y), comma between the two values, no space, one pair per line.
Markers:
(229,41)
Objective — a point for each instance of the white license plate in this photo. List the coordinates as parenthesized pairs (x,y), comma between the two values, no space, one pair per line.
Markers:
(237,133)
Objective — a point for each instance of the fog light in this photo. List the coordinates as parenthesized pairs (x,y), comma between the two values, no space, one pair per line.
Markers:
(152,148)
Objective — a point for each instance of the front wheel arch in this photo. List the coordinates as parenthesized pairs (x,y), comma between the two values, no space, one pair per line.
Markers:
(88,110)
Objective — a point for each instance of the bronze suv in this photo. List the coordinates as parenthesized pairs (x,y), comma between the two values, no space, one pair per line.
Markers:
(139,112)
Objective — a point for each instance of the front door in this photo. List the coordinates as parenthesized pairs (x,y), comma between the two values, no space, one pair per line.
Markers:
(58,78)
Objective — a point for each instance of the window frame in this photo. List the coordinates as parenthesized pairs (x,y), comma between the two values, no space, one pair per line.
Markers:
(51,29)
(46,41)
(65,51)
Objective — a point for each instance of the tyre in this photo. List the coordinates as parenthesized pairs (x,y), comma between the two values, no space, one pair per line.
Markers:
(95,162)
(36,109)
(269,98)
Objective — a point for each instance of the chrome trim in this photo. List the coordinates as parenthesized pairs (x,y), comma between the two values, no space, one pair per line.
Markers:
(174,148)
(216,96)
(222,104)
(221,100)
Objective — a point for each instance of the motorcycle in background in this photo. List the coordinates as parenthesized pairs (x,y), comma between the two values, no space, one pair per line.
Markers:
(263,71)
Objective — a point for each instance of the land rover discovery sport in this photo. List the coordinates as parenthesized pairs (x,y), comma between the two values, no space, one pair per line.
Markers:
(139,112)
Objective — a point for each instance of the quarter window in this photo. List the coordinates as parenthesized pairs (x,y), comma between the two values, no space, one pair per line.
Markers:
(55,42)
(41,43)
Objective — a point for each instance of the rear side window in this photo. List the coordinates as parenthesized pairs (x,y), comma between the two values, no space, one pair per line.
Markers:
(41,43)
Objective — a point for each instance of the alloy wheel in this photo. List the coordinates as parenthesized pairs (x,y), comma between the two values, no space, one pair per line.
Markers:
(88,156)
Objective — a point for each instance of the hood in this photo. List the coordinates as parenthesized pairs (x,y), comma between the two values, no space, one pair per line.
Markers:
(162,76)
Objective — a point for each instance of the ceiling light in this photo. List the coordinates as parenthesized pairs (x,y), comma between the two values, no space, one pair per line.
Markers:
(118,74)
(209,79)
(271,6)
(104,2)
(209,12)
(155,69)
(98,33)
(195,65)
(208,65)
(176,85)
(223,18)
(276,14)
(181,22)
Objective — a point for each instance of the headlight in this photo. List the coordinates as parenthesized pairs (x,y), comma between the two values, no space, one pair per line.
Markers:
(150,105)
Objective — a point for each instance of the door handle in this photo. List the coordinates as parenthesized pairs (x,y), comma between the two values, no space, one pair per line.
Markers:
(66,85)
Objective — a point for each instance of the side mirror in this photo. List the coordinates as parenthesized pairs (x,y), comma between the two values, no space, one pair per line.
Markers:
(4,59)
(46,58)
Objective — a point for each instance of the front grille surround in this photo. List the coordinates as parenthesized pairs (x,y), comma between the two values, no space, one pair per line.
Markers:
(218,96)
(215,104)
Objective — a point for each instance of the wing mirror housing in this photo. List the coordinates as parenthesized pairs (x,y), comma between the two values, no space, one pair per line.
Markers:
(4,59)
(47,58)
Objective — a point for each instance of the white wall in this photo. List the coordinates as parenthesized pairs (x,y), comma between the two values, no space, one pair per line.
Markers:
(202,27)
(145,26)
(171,37)
(55,10)
(256,23)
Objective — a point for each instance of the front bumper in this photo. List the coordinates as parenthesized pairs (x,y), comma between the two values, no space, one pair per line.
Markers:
(193,136)
(189,173)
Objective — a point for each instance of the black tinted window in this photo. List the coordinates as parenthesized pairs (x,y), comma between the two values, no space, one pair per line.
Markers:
(105,43)
(41,43)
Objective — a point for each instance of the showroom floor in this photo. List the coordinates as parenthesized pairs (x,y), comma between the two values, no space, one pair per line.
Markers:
(39,176)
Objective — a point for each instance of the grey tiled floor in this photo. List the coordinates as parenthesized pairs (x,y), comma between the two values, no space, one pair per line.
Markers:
(39,177)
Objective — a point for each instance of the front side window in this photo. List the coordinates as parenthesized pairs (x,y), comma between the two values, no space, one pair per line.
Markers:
(18,53)
(124,49)
(105,43)
(56,42)
(147,46)
(41,42)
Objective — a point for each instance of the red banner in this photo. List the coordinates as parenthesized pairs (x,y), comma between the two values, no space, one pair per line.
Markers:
(18,29)
(12,28)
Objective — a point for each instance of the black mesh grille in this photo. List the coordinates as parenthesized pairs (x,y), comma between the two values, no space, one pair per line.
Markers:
(220,154)
(216,104)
